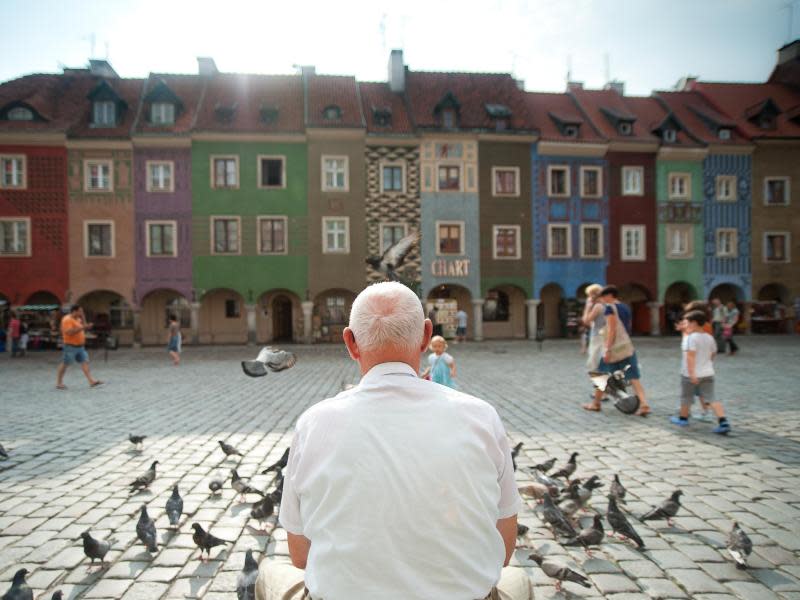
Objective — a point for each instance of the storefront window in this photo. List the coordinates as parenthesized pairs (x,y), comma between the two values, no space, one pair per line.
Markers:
(495,308)
(335,311)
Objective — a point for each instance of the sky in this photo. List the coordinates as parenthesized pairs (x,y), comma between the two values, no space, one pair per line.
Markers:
(648,44)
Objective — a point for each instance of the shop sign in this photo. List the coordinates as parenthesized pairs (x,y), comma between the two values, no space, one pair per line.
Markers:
(442,267)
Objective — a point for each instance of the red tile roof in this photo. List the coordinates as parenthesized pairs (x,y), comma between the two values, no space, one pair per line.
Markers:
(47,95)
(379,96)
(545,107)
(249,94)
(188,88)
(646,114)
(700,117)
(323,91)
(472,91)
(77,102)
(735,99)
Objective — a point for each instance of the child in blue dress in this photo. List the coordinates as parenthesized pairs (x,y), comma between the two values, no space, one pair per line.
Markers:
(441,366)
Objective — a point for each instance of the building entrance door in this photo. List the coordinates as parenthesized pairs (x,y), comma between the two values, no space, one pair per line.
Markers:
(282,319)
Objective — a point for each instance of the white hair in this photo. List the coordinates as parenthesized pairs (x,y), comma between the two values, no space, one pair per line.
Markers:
(387,315)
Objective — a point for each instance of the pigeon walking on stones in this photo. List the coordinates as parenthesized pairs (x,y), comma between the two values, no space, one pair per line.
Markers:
(215,485)
(95,548)
(136,440)
(278,465)
(559,571)
(57,595)
(589,536)
(174,507)
(246,582)
(3,451)
(205,540)
(275,359)
(146,530)
(739,546)
(546,465)
(554,485)
(241,486)
(568,469)
(262,510)
(144,480)
(536,490)
(19,590)
(584,492)
(618,490)
(620,524)
(514,453)
(228,449)
(393,257)
(666,510)
(522,529)
(556,519)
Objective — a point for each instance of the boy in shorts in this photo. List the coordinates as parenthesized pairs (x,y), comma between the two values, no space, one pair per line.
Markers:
(697,371)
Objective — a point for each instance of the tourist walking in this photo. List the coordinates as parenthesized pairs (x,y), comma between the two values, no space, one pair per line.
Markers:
(461,325)
(396,488)
(24,337)
(718,315)
(594,320)
(73,332)
(441,365)
(729,327)
(14,333)
(175,340)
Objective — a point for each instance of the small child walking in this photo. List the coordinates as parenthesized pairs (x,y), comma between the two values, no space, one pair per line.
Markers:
(441,366)
(697,371)
(175,340)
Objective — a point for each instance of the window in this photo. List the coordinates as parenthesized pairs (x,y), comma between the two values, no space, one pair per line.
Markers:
(232,309)
(724,133)
(20,113)
(120,315)
(449,237)
(496,306)
(162,113)
(449,118)
(727,241)
(159,176)
(225,235)
(558,181)
(591,182)
(632,239)
(392,178)
(559,242)
(726,188)
(391,233)
(776,191)
(332,113)
(591,241)
(505,181)
(99,177)
(13,172)
(625,128)
(776,247)
(449,178)
(272,233)
(335,311)
(161,238)
(335,235)
(104,113)
(224,172)
(271,171)
(632,181)
(15,237)
(670,135)
(334,174)
(506,242)
(679,241)
(99,236)
(571,131)
(679,184)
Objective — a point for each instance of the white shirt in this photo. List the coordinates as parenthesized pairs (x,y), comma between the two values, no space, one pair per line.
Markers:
(704,347)
(399,484)
(462,318)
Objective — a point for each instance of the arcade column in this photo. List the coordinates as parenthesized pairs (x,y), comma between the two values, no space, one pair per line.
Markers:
(137,327)
(533,317)
(250,309)
(194,323)
(308,311)
(477,319)
(655,317)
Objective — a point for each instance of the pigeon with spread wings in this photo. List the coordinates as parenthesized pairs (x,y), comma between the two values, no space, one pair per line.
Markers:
(394,256)
(269,357)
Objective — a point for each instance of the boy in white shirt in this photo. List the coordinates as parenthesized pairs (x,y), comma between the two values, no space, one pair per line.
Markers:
(697,372)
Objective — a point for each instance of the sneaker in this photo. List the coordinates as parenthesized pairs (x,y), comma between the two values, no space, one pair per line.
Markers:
(722,428)
(705,416)
(679,422)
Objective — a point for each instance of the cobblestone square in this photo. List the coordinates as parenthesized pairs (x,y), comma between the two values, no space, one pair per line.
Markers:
(70,465)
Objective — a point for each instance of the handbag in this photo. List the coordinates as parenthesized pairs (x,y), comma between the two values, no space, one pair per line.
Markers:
(622,347)
(727,331)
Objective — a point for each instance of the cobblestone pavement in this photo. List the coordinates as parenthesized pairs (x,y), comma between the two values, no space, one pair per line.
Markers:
(70,463)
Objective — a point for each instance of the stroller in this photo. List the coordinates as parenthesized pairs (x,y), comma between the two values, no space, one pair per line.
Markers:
(615,388)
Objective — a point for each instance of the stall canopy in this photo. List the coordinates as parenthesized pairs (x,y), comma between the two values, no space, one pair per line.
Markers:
(38,307)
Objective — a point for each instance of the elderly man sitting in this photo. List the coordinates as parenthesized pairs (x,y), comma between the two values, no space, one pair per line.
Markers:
(398,488)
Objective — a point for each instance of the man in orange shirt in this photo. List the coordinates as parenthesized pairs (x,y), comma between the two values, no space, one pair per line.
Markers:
(73,327)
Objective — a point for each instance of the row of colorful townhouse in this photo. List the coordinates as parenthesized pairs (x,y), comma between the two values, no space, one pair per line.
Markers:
(247,204)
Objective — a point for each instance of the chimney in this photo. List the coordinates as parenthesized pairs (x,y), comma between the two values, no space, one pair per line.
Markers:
(308,70)
(686,83)
(397,72)
(574,85)
(206,67)
(520,84)
(102,68)
(616,85)
(789,52)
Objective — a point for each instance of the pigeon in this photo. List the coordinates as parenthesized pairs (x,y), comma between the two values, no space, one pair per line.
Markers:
(559,571)
(618,490)
(3,451)
(279,465)
(174,507)
(553,484)
(393,257)
(569,507)
(619,523)
(228,449)
(262,510)
(275,359)
(57,595)
(95,548)
(146,530)
(144,480)
(545,466)
(666,510)
(589,536)
(739,546)
(556,519)
(215,485)
(136,440)
(584,492)
(514,453)
(522,529)
(536,490)
(205,541)
(241,485)
(246,582)
(568,469)
(19,590)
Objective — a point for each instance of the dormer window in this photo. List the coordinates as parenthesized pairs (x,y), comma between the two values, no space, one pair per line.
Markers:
(763,114)
(766,122)
(269,114)
(669,136)
(449,118)
(162,113)
(224,114)
(724,133)
(625,128)
(382,116)
(104,113)
(332,113)
(571,131)
(20,113)
(501,124)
